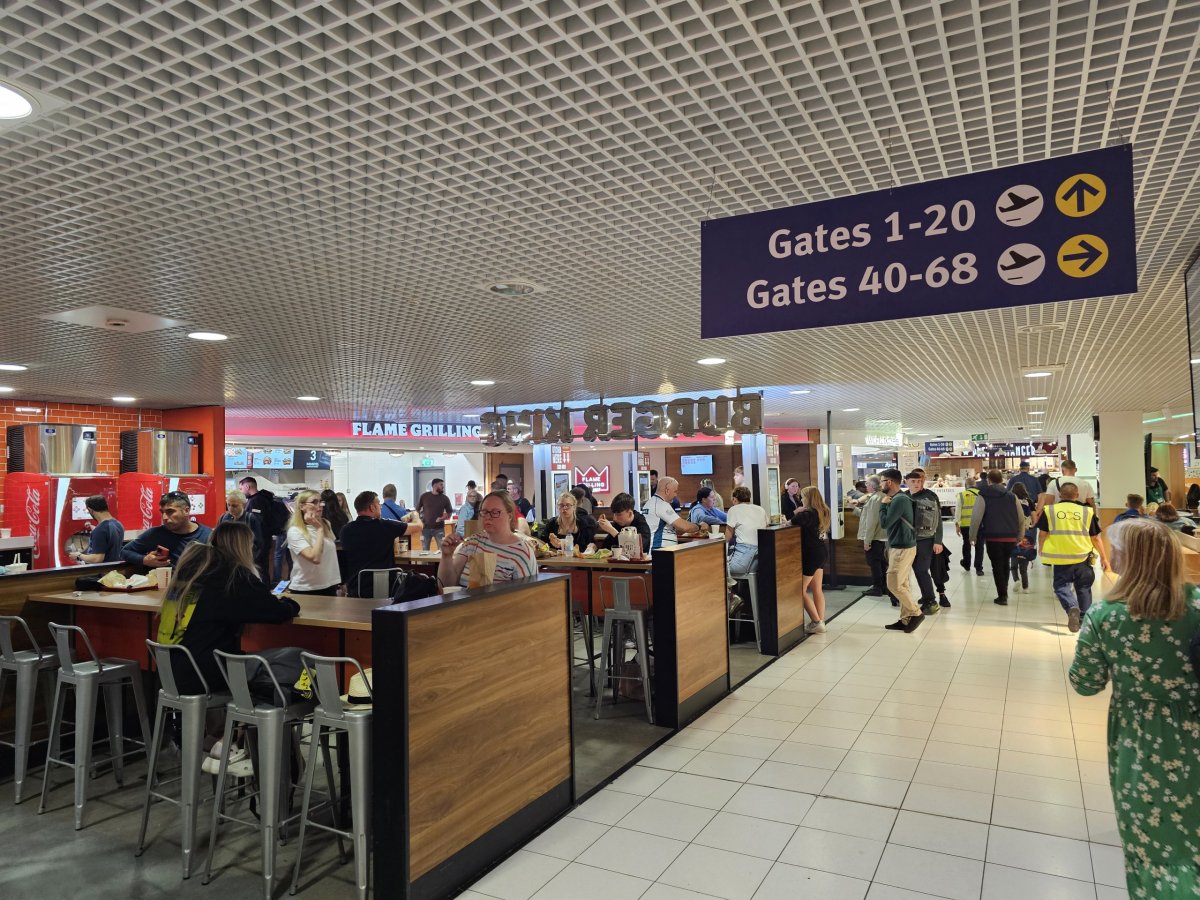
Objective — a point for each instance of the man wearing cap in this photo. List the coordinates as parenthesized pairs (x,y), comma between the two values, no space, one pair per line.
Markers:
(1068,535)
(163,544)
(1025,477)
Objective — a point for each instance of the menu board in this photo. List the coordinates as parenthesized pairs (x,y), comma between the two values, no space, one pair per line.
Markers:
(277,458)
(236,458)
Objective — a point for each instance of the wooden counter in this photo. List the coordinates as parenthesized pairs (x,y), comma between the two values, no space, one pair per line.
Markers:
(847,554)
(473,718)
(780,589)
(691,631)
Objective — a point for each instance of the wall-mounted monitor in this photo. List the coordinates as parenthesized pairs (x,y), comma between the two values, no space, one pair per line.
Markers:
(696,464)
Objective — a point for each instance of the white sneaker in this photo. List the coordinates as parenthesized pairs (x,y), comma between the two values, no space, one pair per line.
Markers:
(814,628)
(212,764)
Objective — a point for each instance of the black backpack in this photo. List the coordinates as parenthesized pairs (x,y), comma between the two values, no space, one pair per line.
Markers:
(415,586)
(278,517)
(926,515)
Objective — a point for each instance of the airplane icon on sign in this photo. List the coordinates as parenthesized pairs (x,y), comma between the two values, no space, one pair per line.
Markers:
(1019,261)
(1017,202)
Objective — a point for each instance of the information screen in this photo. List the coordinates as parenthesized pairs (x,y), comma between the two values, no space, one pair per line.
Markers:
(696,464)
(277,458)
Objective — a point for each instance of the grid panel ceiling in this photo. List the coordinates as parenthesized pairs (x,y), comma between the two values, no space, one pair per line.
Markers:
(335,183)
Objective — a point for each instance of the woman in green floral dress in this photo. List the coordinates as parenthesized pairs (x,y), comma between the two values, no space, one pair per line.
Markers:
(1139,637)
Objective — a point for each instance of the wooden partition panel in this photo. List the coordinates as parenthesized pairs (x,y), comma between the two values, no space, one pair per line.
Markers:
(848,552)
(691,630)
(473,704)
(780,589)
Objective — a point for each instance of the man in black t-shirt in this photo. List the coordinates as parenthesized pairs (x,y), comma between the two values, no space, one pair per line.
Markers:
(523,505)
(369,542)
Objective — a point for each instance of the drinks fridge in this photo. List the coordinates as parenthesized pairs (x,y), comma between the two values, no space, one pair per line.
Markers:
(51,473)
(155,461)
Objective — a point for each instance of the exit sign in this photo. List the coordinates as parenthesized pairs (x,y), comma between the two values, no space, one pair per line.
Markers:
(427,462)
(979,437)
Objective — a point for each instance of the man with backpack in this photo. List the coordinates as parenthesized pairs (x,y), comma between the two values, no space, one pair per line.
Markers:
(1000,518)
(272,514)
(927,529)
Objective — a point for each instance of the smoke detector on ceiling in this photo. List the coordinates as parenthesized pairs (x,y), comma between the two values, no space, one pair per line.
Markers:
(111,318)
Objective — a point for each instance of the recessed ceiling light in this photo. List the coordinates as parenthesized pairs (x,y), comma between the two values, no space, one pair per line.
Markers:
(1180,415)
(482,382)
(1036,399)
(470,415)
(207,336)
(799,392)
(1196,362)
(511,288)
(850,409)
(923,434)
(12,367)
(711,360)
(1036,413)
(308,397)
(13,105)
(1181,436)
(6,390)
(124,399)
(1038,374)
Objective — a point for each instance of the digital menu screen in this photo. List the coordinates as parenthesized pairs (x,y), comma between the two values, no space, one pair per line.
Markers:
(277,458)
(236,458)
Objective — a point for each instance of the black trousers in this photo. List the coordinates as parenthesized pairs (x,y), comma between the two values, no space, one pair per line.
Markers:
(877,560)
(999,553)
(966,558)
(921,565)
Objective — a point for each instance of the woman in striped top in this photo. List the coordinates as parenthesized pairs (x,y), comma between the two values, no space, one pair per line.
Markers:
(514,553)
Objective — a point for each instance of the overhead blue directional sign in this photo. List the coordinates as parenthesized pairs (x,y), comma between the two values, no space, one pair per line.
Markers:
(1060,229)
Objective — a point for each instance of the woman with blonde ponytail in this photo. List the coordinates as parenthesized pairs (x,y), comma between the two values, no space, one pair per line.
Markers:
(1140,637)
(813,521)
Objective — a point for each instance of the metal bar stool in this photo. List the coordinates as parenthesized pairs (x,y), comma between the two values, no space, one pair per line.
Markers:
(270,756)
(612,653)
(381,582)
(31,667)
(353,721)
(193,710)
(751,579)
(86,678)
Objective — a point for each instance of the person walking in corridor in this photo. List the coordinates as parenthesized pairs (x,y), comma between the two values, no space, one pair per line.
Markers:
(896,514)
(1068,535)
(998,516)
(962,525)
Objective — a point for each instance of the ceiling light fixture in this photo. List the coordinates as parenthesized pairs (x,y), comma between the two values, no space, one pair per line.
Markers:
(470,415)
(13,105)
(850,409)
(1155,419)
(1180,415)
(12,367)
(923,434)
(1038,374)
(1036,399)
(124,399)
(712,360)
(482,382)
(1181,436)
(512,288)
(799,392)
(207,336)
(1036,413)
(308,398)
(6,390)
(1196,362)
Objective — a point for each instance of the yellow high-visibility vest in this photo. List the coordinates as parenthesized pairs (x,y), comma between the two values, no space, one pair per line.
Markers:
(966,504)
(1069,534)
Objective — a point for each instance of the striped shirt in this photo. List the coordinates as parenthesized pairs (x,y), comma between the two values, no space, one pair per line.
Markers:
(513,561)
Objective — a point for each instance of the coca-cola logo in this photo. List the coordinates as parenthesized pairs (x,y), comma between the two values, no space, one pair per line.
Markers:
(146,505)
(33,512)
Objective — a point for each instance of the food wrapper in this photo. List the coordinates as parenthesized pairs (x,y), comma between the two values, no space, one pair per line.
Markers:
(113,579)
(137,581)
(481,569)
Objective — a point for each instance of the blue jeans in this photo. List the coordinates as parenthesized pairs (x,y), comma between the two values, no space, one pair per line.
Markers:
(743,559)
(428,534)
(1073,586)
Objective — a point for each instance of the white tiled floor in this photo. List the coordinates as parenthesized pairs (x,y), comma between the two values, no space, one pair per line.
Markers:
(954,762)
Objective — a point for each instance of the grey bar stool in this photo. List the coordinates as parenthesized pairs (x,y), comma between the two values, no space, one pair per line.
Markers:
(333,715)
(270,756)
(612,652)
(381,580)
(193,710)
(30,667)
(86,678)
(751,579)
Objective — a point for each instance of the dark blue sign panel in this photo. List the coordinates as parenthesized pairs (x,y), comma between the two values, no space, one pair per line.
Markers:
(310,459)
(1060,229)
(933,448)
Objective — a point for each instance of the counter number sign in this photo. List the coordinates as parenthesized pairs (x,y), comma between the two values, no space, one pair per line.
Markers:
(1058,229)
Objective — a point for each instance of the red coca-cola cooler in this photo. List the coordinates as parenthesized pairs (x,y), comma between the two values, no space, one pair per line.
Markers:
(156,461)
(51,473)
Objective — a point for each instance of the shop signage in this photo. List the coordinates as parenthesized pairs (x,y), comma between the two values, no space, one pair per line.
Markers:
(643,460)
(772,450)
(414,430)
(596,480)
(560,458)
(311,459)
(933,448)
(1033,448)
(624,421)
(1058,229)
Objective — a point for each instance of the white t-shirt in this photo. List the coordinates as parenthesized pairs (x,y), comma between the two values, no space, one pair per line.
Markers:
(745,519)
(660,516)
(307,575)
(1085,490)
